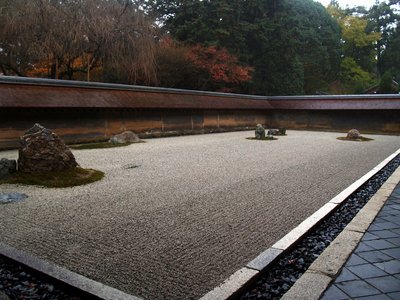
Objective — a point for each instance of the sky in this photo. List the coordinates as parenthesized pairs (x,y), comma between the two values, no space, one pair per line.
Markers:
(351,3)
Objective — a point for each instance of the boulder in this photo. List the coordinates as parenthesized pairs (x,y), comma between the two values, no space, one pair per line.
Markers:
(7,167)
(125,137)
(260,132)
(43,151)
(353,134)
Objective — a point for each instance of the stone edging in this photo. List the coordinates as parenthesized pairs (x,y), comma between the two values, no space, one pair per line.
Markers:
(70,278)
(236,282)
(313,283)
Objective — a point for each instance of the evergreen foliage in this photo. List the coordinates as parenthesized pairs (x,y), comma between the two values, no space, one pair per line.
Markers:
(386,84)
(390,59)
(266,47)
(294,46)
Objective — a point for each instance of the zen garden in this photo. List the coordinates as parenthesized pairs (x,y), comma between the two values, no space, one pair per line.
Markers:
(199,149)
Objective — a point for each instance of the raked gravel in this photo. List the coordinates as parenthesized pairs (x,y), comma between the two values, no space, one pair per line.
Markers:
(194,211)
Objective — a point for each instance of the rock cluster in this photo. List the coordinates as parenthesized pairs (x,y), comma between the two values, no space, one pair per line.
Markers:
(43,151)
(260,132)
(7,167)
(353,134)
(125,137)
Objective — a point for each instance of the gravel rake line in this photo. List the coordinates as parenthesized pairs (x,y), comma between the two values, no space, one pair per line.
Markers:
(20,282)
(281,276)
(187,217)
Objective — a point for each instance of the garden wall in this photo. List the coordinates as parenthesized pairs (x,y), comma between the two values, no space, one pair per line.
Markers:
(83,112)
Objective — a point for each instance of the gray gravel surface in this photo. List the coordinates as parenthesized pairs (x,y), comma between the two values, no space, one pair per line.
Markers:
(196,209)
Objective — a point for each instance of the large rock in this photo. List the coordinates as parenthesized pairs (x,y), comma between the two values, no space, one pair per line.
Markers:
(125,137)
(260,132)
(7,167)
(353,134)
(43,151)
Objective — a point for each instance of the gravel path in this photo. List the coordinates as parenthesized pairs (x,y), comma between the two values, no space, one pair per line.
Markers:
(194,211)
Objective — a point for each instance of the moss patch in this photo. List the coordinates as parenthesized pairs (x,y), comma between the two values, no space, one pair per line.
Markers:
(100,145)
(360,139)
(264,139)
(68,178)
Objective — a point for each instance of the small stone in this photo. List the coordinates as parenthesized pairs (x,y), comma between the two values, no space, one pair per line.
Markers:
(273,132)
(266,286)
(353,134)
(7,167)
(125,137)
(260,132)
(270,135)
(11,197)
(131,166)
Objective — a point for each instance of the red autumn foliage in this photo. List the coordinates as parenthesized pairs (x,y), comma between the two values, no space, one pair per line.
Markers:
(199,67)
(222,66)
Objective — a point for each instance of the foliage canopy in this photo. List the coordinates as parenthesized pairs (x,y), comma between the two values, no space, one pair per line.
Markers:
(267,47)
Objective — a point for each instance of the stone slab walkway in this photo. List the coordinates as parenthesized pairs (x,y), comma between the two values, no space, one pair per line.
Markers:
(373,270)
(194,211)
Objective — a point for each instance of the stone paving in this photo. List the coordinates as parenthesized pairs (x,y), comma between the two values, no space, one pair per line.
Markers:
(194,211)
(373,270)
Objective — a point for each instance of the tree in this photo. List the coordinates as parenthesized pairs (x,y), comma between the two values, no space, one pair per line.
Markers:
(274,37)
(320,46)
(386,84)
(199,67)
(222,68)
(358,66)
(18,46)
(210,23)
(353,77)
(174,69)
(72,37)
(382,16)
(390,59)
